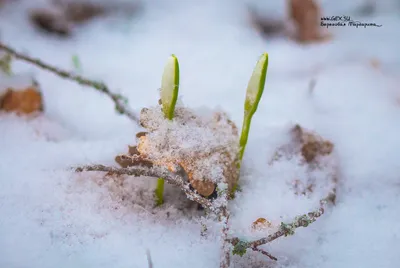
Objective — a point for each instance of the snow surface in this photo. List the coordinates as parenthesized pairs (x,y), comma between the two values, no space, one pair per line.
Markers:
(52,217)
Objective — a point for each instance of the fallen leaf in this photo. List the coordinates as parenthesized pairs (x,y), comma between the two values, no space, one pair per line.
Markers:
(261,224)
(306,16)
(24,101)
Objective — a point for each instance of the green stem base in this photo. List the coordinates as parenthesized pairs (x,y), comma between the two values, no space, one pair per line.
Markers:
(159,192)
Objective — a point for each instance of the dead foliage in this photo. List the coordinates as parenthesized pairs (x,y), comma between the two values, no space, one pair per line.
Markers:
(51,21)
(64,15)
(266,26)
(141,155)
(22,101)
(314,152)
(261,224)
(306,17)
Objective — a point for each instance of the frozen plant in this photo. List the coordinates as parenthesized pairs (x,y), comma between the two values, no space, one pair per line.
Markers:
(169,96)
(205,143)
(180,133)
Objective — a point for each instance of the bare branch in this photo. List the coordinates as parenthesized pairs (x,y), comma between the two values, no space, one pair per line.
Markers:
(175,178)
(119,101)
(266,253)
(284,230)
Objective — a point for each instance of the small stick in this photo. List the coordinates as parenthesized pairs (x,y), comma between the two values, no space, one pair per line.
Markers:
(265,253)
(118,100)
(284,230)
(175,178)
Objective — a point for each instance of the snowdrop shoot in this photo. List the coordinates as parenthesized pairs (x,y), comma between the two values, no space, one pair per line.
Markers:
(169,96)
(254,92)
(170,87)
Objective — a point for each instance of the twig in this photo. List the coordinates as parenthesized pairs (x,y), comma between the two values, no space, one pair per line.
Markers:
(175,178)
(219,207)
(265,253)
(119,101)
(284,230)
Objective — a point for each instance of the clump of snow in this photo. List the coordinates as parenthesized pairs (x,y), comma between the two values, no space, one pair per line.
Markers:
(205,143)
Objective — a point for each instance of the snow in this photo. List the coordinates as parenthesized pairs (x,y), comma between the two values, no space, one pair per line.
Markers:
(204,142)
(53,217)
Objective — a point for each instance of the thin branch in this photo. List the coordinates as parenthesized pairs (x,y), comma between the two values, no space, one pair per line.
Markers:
(119,101)
(285,229)
(266,253)
(175,178)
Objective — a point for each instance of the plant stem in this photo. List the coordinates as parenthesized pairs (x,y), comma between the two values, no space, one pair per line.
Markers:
(159,192)
(169,96)
(244,136)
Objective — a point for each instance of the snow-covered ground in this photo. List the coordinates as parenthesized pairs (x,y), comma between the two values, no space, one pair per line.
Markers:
(52,217)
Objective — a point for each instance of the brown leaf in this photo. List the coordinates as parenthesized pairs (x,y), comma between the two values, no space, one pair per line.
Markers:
(24,101)
(260,224)
(51,21)
(65,14)
(313,149)
(312,145)
(200,183)
(306,15)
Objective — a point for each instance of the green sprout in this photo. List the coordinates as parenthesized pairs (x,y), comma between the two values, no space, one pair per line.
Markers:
(169,96)
(254,92)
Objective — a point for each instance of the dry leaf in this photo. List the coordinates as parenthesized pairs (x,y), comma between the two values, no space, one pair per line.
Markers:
(221,157)
(306,15)
(65,14)
(24,101)
(261,224)
(313,151)
(312,145)
(51,21)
